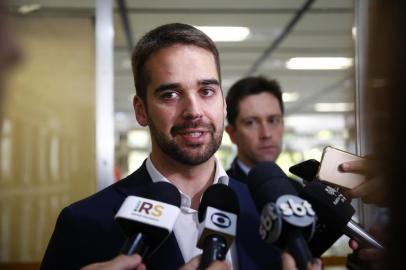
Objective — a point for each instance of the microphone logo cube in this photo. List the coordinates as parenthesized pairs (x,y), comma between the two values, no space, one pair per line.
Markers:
(147,211)
(270,227)
(149,208)
(295,210)
(218,222)
(334,193)
(221,220)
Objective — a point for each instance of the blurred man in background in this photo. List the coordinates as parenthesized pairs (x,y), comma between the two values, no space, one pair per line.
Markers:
(255,124)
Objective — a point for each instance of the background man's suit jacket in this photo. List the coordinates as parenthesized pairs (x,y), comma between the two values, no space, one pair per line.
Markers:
(237,173)
(86,232)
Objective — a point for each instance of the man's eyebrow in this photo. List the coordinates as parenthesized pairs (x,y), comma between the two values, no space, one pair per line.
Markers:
(209,82)
(167,86)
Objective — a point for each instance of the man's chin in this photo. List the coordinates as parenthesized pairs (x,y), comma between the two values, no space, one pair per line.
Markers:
(267,158)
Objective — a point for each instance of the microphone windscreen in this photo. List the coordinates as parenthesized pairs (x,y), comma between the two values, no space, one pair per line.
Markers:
(307,170)
(267,182)
(164,192)
(330,205)
(221,197)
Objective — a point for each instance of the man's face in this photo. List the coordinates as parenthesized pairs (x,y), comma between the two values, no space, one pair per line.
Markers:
(185,105)
(258,129)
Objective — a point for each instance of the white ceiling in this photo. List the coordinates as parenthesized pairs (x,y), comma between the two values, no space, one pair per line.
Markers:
(324,30)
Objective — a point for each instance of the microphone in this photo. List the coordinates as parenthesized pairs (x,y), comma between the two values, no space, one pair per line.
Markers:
(286,220)
(218,214)
(147,221)
(307,170)
(335,211)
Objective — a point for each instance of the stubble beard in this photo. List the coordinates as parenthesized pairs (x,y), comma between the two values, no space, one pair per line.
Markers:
(186,155)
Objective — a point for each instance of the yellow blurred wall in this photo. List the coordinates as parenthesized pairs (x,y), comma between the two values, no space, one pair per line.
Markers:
(47,150)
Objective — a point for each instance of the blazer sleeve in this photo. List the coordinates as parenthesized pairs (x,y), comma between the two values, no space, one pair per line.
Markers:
(61,252)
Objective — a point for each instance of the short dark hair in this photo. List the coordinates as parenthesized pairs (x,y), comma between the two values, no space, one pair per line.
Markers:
(250,86)
(162,37)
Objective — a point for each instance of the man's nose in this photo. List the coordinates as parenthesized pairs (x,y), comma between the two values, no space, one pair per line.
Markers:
(265,130)
(192,107)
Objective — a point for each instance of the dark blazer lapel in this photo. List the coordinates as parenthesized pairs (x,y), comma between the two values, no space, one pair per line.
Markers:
(236,172)
(136,183)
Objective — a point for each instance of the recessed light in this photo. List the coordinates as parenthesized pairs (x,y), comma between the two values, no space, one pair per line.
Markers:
(319,63)
(225,33)
(334,107)
(290,96)
(25,9)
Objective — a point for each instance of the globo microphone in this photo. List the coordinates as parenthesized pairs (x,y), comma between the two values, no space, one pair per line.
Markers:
(147,221)
(286,220)
(218,214)
(335,211)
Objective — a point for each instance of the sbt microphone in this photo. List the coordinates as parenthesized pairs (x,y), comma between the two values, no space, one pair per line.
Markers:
(336,212)
(147,221)
(218,214)
(286,220)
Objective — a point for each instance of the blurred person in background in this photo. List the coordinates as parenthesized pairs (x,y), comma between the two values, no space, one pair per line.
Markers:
(9,49)
(255,124)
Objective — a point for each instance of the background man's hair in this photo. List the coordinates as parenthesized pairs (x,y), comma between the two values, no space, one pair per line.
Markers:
(250,86)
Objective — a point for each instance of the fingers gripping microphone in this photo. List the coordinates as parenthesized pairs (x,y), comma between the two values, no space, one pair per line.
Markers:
(148,221)
(286,220)
(336,211)
(218,213)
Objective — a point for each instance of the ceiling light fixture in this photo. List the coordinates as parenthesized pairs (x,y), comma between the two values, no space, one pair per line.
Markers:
(225,33)
(319,63)
(334,107)
(25,9)
(290,97)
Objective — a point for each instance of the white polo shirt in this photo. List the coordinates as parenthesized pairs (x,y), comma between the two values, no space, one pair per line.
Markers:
(186,226)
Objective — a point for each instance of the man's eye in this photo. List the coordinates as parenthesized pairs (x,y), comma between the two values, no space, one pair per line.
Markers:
(249,123)
(169,95)
(276,120)
(207,92)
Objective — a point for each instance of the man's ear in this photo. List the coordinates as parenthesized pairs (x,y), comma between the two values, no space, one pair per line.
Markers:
(232,133)
(140,111)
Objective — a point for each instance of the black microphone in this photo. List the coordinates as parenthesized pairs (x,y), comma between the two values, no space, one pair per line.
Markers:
(324,236)
(307,170)
(218,214)
(336,211)
(286,220)
(147,221)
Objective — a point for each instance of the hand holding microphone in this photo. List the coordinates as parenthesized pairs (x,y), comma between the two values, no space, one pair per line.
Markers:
(134,262)
(193,264)
(122,262)
(288,263)
(286,220)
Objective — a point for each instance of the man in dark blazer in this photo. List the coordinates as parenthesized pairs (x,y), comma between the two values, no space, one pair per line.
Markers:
(179,97)
(255,124)
(86,232)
